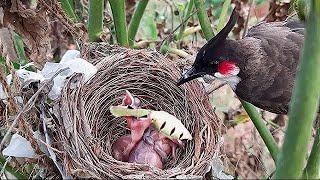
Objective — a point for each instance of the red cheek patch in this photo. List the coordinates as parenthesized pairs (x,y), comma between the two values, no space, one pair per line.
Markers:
(228,68)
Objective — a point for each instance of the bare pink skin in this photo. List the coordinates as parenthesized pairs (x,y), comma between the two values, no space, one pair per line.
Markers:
(123,146)
(154,149)
(131,101)
(144,153)
(136,125)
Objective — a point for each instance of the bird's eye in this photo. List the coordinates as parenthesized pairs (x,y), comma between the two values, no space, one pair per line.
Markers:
(204,53)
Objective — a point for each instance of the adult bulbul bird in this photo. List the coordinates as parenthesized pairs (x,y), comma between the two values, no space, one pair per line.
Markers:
(260,68)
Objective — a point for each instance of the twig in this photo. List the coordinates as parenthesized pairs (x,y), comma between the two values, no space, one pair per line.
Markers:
(77,32)
(28,106)
(49,146)
(52,155)
(185,16)
(274,125)
(6,167)
(245,28)
(191,30)
(211,90)
(292,5)
(171,10)
(170,36)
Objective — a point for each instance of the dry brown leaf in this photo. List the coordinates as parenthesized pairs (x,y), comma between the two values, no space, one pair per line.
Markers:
(32,26)
(7,47)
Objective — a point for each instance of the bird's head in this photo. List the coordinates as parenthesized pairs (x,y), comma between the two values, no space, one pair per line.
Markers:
(212,58)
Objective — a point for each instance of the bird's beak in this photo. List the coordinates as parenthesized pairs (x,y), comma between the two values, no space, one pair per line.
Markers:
(190,74)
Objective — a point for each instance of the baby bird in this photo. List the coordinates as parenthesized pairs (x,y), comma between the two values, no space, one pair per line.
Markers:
(154,149)
(123,146)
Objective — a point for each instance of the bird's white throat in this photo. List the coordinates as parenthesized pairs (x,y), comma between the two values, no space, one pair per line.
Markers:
(231,80)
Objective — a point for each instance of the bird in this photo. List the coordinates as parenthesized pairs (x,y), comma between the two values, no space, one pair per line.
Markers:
(153,149)
(125,144)
(260,68)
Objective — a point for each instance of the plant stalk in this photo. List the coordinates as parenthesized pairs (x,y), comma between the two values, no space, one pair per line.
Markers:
(223,14)
(135,20)
(304,102)
(203,19)
(165,48)
(191,30)
(95,19)
(186,15)
(119,19)
(312,170)
(262,129)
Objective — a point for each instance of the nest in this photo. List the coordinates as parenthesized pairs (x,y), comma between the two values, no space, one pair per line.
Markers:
(88,130)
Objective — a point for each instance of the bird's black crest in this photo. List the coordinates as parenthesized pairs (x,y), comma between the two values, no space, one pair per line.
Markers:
(223,34)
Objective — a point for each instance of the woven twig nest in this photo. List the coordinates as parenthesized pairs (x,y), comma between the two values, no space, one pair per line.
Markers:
(88,129)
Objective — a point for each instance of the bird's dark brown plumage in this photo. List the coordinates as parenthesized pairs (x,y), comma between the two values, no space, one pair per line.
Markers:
(268,58)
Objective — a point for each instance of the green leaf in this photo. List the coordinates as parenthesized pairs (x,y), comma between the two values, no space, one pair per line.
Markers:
(120,111)
(19,45)
(16,65)
(163,121)
(169,125)
(69,9)
(16,173)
